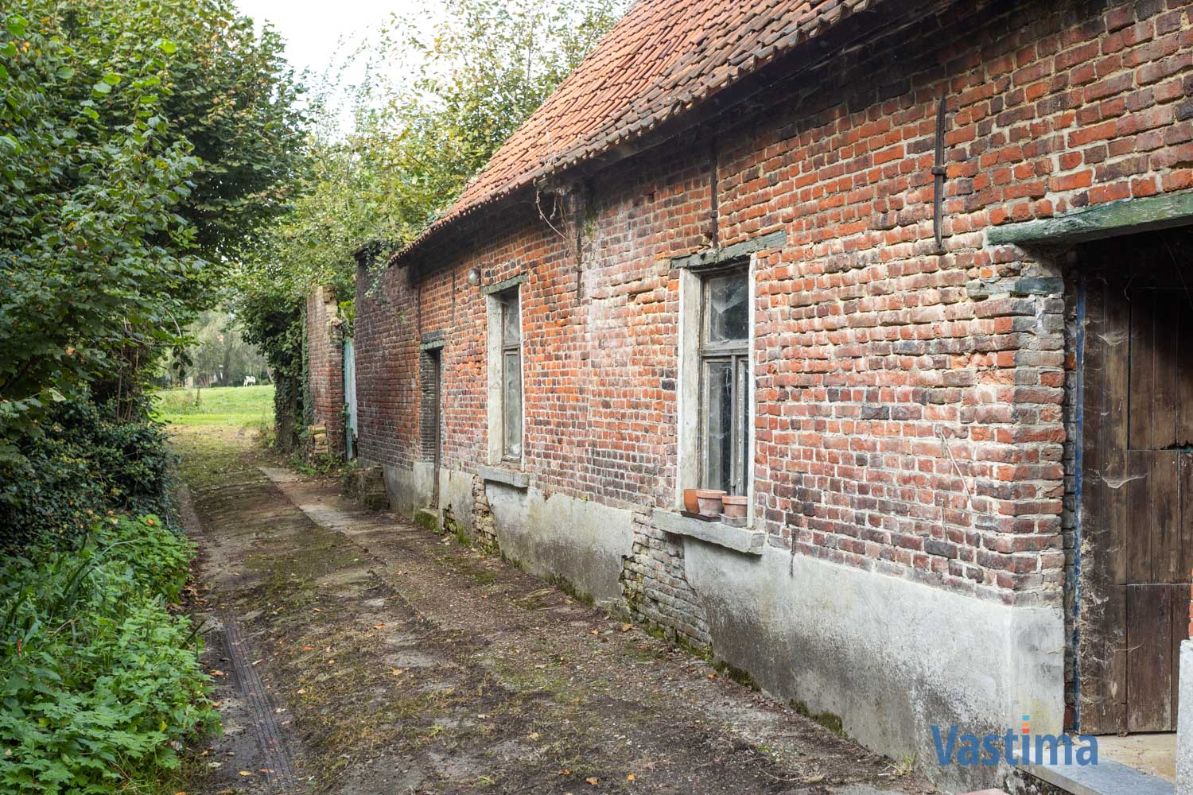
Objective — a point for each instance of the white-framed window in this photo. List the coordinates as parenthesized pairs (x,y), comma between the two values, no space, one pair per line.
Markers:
(725,381)
(511,377)
(716,379)
(505,377)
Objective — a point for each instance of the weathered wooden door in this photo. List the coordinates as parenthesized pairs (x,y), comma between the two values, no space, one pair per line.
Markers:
(435,396)
(1136,491)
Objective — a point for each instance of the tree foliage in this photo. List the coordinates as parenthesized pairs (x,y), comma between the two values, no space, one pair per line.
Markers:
(463,84)
(219,354)
(142,143)
(438,100)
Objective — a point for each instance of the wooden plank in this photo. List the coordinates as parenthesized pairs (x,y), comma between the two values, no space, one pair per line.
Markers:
(1179,631)
(1103,661)
(1141,518)
(1114,466)
(1102,648)
(1104,220)
(1142,368)
(1184,357)
(1154,548)
(1186,500)
(1164,479)
(1149,658)
(1156,378)
(1166,369)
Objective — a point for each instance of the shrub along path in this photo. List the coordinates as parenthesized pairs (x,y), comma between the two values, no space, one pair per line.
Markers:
(396,660)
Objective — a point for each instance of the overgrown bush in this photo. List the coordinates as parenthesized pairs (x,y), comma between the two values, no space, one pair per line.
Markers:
(81,465)
(99,682)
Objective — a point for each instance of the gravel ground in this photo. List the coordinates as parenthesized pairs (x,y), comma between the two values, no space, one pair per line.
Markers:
(355,653)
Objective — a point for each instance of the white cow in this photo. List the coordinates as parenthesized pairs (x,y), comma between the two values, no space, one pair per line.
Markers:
(250,380)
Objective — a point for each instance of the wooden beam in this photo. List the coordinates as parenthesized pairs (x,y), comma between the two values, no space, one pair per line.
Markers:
(1105,220)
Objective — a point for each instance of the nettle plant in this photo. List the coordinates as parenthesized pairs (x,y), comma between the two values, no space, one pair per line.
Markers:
(99,682)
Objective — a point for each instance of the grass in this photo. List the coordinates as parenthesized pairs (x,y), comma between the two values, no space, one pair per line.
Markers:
(235,406)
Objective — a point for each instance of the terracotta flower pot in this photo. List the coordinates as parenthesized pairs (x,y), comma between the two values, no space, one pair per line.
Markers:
(710,501)
(690,503)
(734,506)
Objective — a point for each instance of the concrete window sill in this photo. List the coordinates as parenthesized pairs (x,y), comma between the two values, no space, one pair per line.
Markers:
(739,539)
(508,477)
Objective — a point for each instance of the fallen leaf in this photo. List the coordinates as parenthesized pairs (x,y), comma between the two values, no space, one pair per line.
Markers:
(308,648)
(258,662)
(630,777)
(593,780)
(712,676)
(535,735)
(217,672)
(595,632)
(246,773)
(396,671)
(378,626)
(626,627)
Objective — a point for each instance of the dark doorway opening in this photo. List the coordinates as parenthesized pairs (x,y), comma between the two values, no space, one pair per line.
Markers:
(432,416)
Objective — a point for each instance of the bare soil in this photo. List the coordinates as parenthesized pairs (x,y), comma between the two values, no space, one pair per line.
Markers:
(369,656)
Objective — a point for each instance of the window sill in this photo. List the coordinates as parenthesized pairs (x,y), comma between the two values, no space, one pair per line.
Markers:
(508,477)
(738,539)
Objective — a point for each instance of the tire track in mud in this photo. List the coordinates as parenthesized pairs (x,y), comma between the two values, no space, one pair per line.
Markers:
(244,699)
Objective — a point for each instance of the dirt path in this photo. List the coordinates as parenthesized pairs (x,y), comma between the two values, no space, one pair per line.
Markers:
(391,660)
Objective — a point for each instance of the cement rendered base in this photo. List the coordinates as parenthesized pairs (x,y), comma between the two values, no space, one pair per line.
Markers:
(889,657)
(1184,723)
(581,542)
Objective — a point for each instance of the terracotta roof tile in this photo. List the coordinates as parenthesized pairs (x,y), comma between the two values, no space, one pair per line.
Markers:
(662,58)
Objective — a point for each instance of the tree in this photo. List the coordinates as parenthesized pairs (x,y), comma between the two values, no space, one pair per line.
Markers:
(143,143)
(219,355)
(465,84)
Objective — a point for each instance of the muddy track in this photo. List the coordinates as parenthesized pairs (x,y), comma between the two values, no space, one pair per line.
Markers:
(395,660)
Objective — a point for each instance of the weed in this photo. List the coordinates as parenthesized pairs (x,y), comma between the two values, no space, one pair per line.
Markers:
(828,720)
(569,588)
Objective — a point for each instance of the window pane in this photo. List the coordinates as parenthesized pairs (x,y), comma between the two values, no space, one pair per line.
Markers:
(741,438)
(511,403)
(718,424)
(510,332)
(727,299)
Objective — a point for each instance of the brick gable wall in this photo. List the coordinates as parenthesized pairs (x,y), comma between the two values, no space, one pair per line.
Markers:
(909,403)
(325,366)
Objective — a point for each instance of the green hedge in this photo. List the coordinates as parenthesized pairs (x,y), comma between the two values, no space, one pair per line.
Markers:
(81,465)
(99,681)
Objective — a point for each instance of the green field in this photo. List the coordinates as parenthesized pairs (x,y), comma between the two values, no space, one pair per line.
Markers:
(237,406)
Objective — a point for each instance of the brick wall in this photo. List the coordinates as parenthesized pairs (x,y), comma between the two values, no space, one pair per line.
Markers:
(909,404)
(325,366)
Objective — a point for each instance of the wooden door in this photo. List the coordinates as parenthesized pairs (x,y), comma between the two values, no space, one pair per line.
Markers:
(1136,499)
(435,395)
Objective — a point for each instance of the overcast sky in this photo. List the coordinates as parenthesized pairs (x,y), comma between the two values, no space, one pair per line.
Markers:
(314,30)
(318,34)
